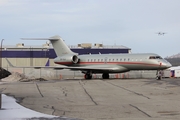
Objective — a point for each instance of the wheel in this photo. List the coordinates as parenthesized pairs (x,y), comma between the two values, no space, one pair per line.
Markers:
(88,76)
(105,75)
(158,77)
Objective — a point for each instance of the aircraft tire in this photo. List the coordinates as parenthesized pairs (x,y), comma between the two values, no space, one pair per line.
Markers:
(158,77)
(105,75)
(87,76)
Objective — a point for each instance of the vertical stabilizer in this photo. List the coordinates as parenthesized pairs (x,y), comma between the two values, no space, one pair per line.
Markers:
(58,44)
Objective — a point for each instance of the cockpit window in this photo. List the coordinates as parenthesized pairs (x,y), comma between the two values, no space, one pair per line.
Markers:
(158,57)
(152,57)
(155,57)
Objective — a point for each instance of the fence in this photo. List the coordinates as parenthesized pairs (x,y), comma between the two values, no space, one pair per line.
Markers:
(68,74)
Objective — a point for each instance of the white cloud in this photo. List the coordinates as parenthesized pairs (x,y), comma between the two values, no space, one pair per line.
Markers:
(4,2)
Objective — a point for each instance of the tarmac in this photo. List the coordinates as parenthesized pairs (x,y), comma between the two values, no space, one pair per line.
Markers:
(97,99)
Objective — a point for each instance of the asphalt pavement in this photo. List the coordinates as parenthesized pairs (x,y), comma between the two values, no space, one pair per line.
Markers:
(113,99)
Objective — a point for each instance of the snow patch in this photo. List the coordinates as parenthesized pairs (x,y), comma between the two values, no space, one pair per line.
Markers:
(11,110)
(15,76)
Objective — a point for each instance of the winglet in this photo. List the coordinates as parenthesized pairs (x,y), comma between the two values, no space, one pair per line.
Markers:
(11,65)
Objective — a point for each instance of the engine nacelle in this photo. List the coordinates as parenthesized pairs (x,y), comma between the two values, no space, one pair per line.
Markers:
(67,59)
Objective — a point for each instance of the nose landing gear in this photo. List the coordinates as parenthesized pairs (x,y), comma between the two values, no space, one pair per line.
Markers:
(158,75)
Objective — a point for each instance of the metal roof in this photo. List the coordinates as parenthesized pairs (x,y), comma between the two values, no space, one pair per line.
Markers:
(70,46)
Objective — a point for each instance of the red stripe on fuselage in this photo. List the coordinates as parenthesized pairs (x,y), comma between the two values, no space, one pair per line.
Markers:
(102,63)
(64,63)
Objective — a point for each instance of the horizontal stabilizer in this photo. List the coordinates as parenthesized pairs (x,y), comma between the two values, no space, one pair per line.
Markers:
(51,38)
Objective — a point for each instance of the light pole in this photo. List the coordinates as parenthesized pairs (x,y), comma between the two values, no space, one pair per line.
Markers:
(1,70)
(1,57)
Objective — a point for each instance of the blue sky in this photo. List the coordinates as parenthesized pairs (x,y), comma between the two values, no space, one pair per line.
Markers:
(132,23)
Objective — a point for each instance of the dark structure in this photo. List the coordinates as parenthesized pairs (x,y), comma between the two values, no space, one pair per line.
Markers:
(50,53)
(4,73)
(174,61)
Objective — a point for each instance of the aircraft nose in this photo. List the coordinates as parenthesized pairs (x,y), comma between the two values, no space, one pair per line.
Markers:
(168,65)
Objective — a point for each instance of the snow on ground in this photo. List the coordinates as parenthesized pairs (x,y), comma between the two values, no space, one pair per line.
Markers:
(11,110)
(15,76)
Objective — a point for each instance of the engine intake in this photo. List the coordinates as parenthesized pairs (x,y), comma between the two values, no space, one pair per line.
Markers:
(75,59)
(67,59)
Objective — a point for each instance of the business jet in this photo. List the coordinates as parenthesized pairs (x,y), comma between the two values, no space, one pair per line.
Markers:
(101,63)
(161,33)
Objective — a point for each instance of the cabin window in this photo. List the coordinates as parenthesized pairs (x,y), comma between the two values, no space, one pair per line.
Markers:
(112,59)
(120,59)
(128,59)
(109,60)
(91,60)
(88,60)
(94,60)
(116,59)
(101,60)
(124,59)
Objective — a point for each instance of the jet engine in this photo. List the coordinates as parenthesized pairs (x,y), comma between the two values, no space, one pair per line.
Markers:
(67,59)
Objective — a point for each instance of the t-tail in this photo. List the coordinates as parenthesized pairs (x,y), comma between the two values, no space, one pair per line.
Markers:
(64,55)
(58,44)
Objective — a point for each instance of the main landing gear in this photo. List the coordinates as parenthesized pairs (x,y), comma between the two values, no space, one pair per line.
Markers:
(88,75)
(105,75)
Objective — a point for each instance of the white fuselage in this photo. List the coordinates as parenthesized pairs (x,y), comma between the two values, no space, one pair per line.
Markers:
(128,61)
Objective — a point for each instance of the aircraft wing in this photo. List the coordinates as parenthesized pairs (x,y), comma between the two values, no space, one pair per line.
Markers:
(36,67)
(97,68)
